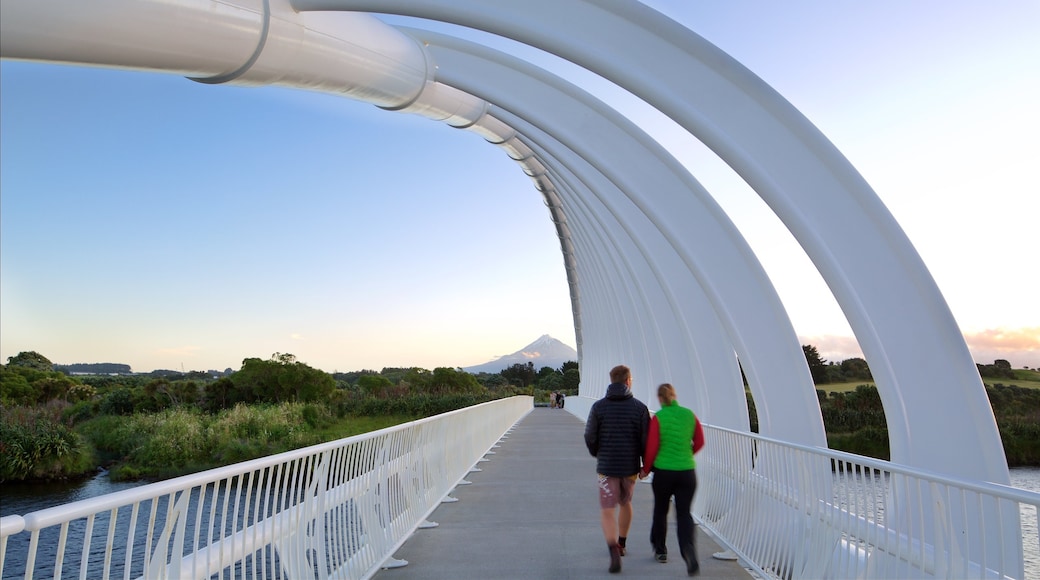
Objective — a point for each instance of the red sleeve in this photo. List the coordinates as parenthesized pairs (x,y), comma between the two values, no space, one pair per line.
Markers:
(653,443)
(698,436)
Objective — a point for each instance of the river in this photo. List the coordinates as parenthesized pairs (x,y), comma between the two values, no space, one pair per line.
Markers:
(20,499)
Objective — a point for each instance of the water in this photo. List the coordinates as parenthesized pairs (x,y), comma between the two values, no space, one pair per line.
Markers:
(20,499)
(1028,478)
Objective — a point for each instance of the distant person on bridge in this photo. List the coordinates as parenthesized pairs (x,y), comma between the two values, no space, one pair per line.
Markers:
(675,435)
(616,435)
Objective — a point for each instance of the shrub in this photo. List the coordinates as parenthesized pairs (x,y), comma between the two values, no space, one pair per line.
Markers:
(35,445)
(172,438)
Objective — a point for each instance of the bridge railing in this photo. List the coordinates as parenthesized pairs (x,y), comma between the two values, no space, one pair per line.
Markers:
(799,512)
(335,510)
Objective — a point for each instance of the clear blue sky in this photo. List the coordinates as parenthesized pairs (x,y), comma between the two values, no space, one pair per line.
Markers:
(150,220)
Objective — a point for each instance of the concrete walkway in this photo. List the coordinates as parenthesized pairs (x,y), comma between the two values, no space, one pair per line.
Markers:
(533,512)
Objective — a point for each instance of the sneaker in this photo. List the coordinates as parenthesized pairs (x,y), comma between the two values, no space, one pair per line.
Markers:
(615,559)
(692,566)
(661,557)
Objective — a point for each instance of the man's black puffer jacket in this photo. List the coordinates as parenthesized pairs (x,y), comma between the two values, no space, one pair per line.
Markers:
(616,432)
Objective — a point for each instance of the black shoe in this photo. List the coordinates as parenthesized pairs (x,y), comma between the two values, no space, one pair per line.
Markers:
(615,559)
(661,557)
(621,549)
(692,566)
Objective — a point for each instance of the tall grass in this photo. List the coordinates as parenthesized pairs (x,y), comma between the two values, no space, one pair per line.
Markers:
(184,440)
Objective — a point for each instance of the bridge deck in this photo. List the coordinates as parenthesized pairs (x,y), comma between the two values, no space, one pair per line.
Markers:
(532,512)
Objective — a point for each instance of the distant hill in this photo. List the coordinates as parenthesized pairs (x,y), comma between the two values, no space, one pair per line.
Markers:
(94,369)
(544,352)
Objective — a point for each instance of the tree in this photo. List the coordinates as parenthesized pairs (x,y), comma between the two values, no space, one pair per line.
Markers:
(817,366)
(447,380)
(282,378)
(520,374)
(571,364)
(30,359)
(571,380)
(856,369)
(15,388)
(374,385)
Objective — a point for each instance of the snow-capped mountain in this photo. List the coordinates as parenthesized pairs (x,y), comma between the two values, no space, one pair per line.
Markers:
(544,352)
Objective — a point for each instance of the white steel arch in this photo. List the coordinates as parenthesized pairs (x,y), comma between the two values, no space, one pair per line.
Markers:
(909,337)
(904,326)
(611,217)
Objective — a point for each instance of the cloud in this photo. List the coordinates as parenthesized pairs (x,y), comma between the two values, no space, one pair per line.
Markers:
(296,336)
(1005,339)
(834,348)
(1019,346)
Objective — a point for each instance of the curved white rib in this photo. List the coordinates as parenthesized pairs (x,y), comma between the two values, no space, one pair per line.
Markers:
(910,339)
(741,287)
(904,326)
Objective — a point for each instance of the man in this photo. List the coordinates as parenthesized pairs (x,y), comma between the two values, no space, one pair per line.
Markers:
(616,434)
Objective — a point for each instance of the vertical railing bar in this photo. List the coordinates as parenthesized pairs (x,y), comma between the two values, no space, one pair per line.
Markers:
(110,538)
(200,508)
(793,487)
(222,529)
(303,465)
(213,497)
(336,517)
(260,495)
(153,510)
(30,560)
(236,501)
(131,532)
(274,511)
(243,522)
(59,556)
(873,552)
(84,559)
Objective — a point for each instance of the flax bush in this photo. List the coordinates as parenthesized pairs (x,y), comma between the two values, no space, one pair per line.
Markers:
(35,444)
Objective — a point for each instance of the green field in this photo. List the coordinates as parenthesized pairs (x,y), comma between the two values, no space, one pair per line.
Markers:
(1023,378)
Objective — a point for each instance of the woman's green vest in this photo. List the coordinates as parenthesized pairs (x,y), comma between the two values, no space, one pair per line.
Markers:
(676,426)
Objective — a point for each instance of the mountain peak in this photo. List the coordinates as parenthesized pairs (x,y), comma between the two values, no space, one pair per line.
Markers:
(545,351)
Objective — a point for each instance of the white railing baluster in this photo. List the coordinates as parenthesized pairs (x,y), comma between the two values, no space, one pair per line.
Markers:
(338,510)
(866,518)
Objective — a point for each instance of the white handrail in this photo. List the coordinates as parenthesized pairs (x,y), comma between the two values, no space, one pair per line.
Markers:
(335,510)
(793,511)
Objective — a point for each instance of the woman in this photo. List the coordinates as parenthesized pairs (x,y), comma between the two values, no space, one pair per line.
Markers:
(675,435)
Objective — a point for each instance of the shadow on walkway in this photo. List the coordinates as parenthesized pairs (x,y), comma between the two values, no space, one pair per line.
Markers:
(533,512)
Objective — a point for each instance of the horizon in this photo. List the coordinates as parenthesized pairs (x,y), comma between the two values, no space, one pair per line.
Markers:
(823,355)
(174,223)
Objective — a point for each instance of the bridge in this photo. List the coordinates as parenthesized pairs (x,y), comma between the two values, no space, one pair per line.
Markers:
(659,278)
(503,490)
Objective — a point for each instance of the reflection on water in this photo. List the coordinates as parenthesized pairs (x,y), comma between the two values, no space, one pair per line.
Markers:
(22,498)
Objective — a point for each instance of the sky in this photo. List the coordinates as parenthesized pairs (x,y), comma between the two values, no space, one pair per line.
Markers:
(149,220)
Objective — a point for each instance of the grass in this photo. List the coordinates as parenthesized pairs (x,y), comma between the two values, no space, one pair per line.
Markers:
(1023,378)
(350,426)
(842,387)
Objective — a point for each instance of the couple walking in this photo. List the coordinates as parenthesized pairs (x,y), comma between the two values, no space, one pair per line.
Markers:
(620,434)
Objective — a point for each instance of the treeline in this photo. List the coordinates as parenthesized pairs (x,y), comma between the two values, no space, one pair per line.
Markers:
(94,369)
(855,420)
(53,425)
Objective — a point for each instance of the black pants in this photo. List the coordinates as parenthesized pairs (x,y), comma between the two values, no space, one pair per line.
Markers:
(682,485)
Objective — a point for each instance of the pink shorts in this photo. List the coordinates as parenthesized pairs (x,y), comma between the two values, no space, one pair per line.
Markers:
(615,491)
